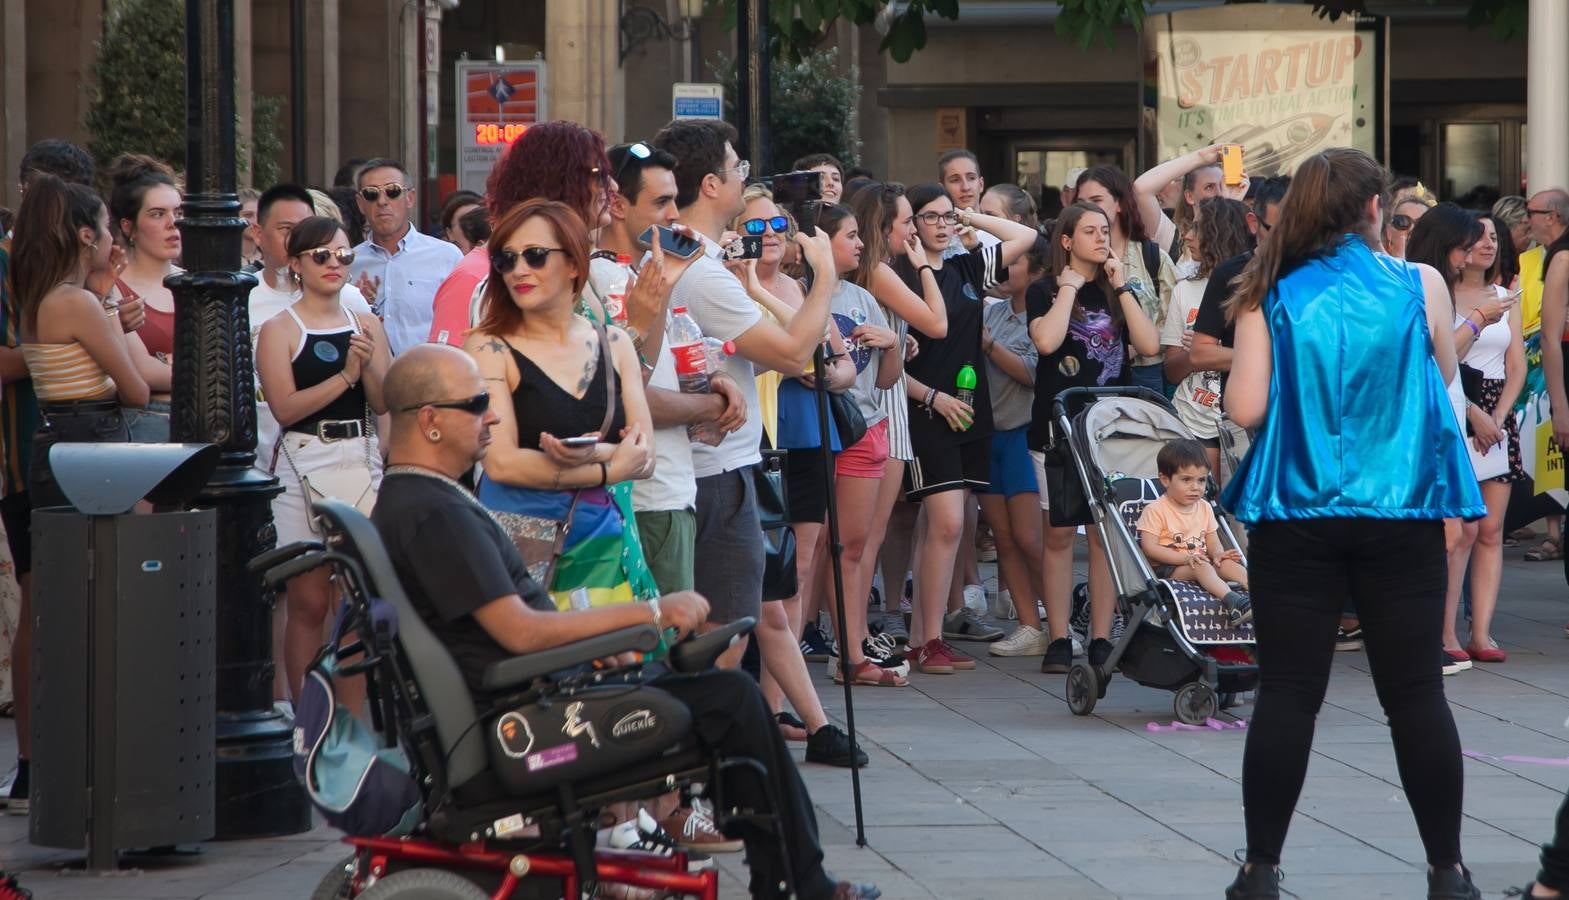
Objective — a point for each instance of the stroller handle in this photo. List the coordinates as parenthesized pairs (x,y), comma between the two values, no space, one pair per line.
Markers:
(1080,397)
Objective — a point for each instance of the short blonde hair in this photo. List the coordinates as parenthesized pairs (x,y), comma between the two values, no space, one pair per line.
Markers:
(324,205)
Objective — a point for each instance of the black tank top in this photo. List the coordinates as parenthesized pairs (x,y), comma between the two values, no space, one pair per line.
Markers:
(540,405)
(321,356)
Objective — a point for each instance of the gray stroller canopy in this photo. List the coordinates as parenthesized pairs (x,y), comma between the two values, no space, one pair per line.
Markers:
(1124,434)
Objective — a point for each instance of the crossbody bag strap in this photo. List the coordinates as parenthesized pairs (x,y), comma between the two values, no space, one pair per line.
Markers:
(610,414)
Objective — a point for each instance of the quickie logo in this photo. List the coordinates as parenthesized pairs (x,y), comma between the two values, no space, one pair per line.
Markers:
(633,723)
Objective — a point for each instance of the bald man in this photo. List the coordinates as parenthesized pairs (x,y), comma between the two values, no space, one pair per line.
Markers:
(464,577)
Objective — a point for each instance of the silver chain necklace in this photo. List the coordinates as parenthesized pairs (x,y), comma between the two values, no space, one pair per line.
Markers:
(433,475)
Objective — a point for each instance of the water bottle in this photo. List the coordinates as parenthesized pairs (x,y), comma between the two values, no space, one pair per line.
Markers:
(617,288)
(691,352)
(718,351)
(965,387)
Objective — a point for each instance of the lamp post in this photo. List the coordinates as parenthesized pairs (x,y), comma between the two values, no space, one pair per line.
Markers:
(215,402)
(754,85)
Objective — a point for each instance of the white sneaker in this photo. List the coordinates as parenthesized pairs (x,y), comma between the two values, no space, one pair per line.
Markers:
(975,598)
(1026,640)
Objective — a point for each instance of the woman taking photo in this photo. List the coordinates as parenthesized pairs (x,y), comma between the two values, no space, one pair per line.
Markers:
(951,438)
(144,204)
(1360,516)
(552,374)
(320,367)
(1082,327)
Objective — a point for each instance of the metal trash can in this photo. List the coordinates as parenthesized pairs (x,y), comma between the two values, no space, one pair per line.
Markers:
(123,658)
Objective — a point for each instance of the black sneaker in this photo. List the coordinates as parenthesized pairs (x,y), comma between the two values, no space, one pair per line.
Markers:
(16,801)
(1059,656)
(815,645)
(830,746)
(1348,640)
(1100,651)
(1239,608)
(1449,883)
(1258,883)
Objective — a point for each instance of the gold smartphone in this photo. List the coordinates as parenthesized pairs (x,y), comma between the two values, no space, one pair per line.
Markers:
(1231,164)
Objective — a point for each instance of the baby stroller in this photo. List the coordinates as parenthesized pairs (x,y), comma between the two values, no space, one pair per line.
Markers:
(1177,636)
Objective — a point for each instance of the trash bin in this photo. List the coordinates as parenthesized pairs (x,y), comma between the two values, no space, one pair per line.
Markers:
(123,658)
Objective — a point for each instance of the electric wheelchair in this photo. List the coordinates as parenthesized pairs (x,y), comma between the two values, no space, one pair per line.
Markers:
(489,824)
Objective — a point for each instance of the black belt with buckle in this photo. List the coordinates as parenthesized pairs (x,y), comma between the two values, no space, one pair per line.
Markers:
(338,430)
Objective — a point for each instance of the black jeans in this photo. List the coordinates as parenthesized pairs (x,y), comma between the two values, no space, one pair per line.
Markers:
(78,421)
(1302,573)
(729,716)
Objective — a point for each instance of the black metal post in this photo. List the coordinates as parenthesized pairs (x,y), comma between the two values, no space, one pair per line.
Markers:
(215,402)
(835,552)
(297,91)
(754,85)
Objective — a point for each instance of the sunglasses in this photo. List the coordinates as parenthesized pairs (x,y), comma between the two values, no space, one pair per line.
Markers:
(932,218)
(1401,222)
(373,194)
(779,224)
(476,404)
(504,261)
(320,255)
(638,151)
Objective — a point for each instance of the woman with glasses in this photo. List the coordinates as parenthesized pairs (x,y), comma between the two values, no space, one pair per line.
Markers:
(320,367)
(1405,209)
(951,437)
(770,287)
(560,444)
(145,206)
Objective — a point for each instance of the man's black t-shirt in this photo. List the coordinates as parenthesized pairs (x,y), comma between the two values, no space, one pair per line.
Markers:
(1094,353)
(963,280)
(452,559)
(1211,318)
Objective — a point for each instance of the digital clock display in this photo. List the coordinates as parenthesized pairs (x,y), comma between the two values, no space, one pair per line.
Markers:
(487,134)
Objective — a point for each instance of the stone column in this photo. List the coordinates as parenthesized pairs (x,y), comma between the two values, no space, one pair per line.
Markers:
(13,96)
(1547,95)
(585,83)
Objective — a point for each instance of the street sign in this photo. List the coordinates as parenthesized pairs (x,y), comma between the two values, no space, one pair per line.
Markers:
(496,102)
(697,101)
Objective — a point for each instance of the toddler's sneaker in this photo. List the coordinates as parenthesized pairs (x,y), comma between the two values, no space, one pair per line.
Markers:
(1059,656)
(1239,608)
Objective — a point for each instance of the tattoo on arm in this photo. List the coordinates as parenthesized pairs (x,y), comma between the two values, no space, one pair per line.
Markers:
(494,345)
(555,481)
(588,369)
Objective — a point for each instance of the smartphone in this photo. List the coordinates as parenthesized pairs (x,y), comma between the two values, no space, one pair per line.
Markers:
(745,247)
(586,440)
(796,187)
(1231,164)
(672,242)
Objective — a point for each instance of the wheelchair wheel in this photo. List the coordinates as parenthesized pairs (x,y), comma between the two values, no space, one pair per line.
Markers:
(1195,703)
(1084,688)
(424,884)
(335,884)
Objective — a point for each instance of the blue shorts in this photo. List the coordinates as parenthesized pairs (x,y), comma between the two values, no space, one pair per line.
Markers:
(1013,472)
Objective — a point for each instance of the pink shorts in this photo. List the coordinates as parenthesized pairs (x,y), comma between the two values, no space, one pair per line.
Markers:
(868,457)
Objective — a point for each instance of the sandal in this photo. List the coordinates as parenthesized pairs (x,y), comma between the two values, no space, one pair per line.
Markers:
(870,674)
(1548,550)
(790,726)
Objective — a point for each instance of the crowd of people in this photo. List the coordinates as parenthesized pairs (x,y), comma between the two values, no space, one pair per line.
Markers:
(624,457)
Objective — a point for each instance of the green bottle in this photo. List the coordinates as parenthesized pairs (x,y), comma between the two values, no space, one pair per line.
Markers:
(965,387)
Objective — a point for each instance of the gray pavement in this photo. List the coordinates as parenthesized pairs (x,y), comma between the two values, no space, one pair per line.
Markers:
(983,785)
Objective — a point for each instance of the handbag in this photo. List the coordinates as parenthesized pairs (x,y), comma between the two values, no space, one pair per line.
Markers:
(540,540)
(1067,503)
(1471,386)
(773,510)
(847,419)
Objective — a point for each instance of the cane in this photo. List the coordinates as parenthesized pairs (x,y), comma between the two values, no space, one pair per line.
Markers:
(834,550)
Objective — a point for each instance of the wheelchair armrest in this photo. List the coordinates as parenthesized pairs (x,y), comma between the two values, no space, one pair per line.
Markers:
(519,670)
(699,652)
(280,555)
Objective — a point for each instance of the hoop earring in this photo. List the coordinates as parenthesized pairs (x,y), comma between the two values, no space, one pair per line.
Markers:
(434,434)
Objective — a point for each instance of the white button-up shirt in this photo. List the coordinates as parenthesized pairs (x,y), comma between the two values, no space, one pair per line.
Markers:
(409,279)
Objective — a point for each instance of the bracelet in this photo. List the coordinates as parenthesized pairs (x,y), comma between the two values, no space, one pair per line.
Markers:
(346,379)
(1123,290)
(604,474)
(924,268)
(986,348)
(931,395)
(1475,331)
(653,605)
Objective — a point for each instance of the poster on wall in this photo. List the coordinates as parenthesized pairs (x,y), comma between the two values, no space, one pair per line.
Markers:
(497,101)
(1277,79)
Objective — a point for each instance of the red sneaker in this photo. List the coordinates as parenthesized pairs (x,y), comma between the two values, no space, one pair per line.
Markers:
(960,660)
(931,660)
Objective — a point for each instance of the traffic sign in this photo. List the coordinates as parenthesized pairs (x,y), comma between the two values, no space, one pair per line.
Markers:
(697,101)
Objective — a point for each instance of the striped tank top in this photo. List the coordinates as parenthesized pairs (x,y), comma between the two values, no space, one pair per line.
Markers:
(66,372)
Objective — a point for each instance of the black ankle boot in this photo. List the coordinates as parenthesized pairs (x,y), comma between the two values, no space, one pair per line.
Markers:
(1261,882)
(1449,883)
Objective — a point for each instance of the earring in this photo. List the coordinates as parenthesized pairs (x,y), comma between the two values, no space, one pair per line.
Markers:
(435,435)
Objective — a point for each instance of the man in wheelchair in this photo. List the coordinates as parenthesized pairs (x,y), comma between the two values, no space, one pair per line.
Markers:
(467,581)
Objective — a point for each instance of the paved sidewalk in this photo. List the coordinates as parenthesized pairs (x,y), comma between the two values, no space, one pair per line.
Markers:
(983,785)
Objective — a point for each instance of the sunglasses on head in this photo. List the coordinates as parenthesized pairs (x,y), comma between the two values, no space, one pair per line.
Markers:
(779,224)
(1401,222)
(504,261)
(372,194)
(320,255)
(476,404)
(932,218)
(638,151)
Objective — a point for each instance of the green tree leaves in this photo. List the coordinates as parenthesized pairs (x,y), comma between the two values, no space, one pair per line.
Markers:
(814,107)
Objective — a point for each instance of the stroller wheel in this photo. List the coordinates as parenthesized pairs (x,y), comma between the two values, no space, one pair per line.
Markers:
(424,884)
(338,881)
(1084,688)
(1195,703)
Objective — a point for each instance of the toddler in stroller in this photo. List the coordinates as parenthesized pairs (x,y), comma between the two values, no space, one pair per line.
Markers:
(1180,536)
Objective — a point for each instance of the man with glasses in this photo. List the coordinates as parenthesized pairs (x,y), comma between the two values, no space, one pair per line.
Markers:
(397,267)
(464,576)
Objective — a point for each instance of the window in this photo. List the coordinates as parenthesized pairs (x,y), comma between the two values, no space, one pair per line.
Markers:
(1472,161)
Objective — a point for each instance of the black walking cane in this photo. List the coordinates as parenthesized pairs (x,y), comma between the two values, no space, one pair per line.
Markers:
(834,551)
